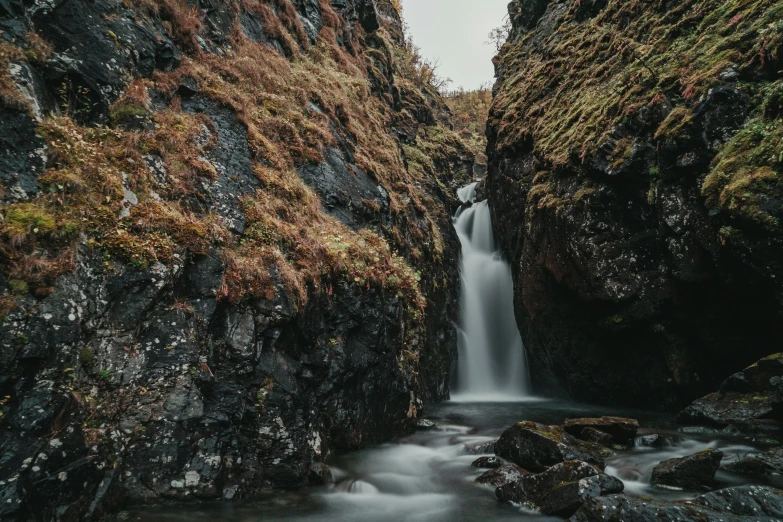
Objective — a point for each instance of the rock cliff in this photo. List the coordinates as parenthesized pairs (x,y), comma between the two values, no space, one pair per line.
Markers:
(635,182)
(225,246)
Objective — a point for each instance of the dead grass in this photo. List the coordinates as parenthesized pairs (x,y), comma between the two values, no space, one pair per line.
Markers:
(288,105)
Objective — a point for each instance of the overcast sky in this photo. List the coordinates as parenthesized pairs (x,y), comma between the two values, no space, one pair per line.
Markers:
(455,32)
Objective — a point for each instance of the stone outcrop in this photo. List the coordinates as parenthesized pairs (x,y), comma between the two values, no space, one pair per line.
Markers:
(225,247)
(749,402)
(693,472)
(636,193)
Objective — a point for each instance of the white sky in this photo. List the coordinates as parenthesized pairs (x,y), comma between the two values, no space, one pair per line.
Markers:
(455,32)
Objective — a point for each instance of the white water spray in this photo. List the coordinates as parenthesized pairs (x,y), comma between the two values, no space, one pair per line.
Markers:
(492,364)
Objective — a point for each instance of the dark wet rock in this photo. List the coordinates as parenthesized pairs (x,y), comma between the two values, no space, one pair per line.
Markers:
(484,448)
(320,474)
(565,499)
(231,160)
(749,402)
(758,464)
(722,409)
(487,463)
(347,192)
(596,436)
(692,472)
(526,13)
(622,430)
(657,441)
(736,384)
(536,447)
(425,425)
(739,504)
(765,375)
(22,155)
(501,476)
(530,488)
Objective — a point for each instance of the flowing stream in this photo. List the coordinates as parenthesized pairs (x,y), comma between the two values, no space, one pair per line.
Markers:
(428,476)
(491,364)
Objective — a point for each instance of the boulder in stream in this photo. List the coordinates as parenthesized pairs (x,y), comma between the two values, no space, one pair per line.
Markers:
(530,488)
(537,447)
(693,472)
(758,464)
(748,402)
(739,504)
(565,499)
(502,475)
(622,430)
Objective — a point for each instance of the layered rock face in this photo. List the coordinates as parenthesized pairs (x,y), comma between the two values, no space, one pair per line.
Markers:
(226,247)
(634,180)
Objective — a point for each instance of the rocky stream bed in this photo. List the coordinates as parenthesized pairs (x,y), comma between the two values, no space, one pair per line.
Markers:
(473,461)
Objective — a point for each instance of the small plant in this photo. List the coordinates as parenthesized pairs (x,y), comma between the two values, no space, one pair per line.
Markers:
(105,375)
(18,287)
(86,356)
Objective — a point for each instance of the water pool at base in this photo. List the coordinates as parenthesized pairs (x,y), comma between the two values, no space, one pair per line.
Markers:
(428,477)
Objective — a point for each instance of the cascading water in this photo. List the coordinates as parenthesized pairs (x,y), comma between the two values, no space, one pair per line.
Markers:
(492,363)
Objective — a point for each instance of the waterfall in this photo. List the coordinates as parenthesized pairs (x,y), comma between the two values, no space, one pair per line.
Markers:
(491,364)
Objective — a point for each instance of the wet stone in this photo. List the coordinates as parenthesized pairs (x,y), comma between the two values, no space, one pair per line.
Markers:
(484,448)
(501,476)
(537,447)
(692,472)
(487,463)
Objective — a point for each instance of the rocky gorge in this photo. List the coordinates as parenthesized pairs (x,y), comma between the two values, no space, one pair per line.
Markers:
(249,250)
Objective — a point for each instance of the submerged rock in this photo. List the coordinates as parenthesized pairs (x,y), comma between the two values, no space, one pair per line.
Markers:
(692,472)
(537,446)
(739,504)
(502,475)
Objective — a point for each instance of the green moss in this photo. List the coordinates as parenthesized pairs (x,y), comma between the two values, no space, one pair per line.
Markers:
(18,287)
(745,178)
(125,110)
(26,218)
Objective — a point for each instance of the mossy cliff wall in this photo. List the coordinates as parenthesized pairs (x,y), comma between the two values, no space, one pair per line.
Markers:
(225,246)
(635,182)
